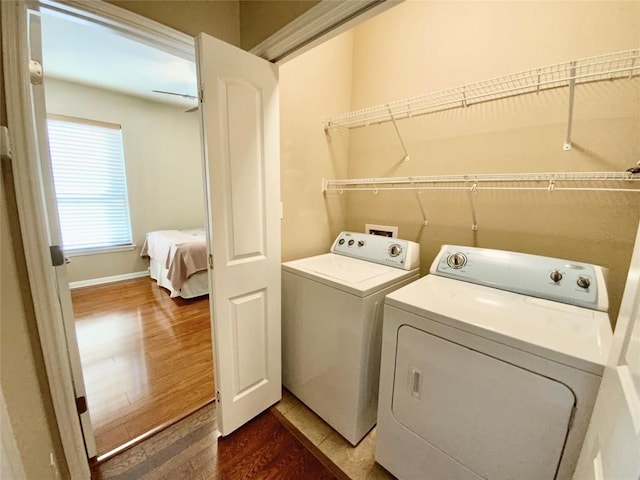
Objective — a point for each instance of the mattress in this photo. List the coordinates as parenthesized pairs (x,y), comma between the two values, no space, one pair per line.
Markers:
(178,261)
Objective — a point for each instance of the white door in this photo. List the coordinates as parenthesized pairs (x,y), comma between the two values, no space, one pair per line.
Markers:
(55,237)
(611,450)
(240,122)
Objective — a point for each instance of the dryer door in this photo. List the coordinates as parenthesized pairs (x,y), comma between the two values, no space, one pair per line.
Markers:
(496,419)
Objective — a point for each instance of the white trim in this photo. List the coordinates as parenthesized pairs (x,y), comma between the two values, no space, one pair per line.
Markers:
(131,24)
(112,278)
(98,251)
(318,24)
(34,235)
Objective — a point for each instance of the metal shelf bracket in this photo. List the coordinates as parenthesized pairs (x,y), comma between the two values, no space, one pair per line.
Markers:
(425,222)
(572,90)
(470,191)
(395,125)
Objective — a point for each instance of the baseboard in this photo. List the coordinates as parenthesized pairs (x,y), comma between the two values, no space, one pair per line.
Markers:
(113,278)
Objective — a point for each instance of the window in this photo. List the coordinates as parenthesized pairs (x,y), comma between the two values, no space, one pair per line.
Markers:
(90,183)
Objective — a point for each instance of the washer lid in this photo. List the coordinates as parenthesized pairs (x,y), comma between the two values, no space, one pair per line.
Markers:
(357,277)
(567,334)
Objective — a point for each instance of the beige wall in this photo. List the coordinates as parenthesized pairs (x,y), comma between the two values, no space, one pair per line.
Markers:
(163,166)
(312,86)
(418,47)
(260,19)
(217,18)
(22,374)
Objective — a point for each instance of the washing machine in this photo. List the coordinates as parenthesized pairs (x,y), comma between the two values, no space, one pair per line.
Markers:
(332,307)
(490,367)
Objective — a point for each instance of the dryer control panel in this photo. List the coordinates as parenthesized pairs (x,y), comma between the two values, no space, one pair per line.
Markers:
(564,281)
(378,249)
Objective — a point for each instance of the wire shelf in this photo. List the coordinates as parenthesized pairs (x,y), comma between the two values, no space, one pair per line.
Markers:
(610,66)
(576,181)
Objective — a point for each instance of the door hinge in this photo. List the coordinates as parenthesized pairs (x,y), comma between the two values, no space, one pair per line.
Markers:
(218,399)
(35,72)
(201,94)
(211,261)
(57,255)
(81,405)
(572,417)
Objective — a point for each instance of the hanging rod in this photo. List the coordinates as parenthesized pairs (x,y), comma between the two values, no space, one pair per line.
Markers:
(612,66)
(627,182)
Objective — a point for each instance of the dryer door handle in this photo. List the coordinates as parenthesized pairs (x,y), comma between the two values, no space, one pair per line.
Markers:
(415,382)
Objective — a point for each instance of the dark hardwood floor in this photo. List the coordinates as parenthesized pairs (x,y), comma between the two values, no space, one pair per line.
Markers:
(146,358)
(268,447)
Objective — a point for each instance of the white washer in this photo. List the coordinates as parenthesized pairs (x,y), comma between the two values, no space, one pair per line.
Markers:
(332,326)
(490,367)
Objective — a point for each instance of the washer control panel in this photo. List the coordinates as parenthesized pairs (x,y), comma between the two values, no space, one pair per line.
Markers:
(565,281)
(378,249)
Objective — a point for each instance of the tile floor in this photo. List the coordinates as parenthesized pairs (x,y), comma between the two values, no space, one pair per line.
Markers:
(357,462)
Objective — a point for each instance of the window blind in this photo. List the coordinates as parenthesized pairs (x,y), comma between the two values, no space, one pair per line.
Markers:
(90,183)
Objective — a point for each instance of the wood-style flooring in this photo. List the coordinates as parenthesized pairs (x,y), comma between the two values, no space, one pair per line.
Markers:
(266,447)
(146,358)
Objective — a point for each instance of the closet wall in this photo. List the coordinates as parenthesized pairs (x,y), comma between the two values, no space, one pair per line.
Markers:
(420,47)
(313,86)
(163,166)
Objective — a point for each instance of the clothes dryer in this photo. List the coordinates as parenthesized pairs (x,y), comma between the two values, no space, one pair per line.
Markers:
(490,367)
(332,308)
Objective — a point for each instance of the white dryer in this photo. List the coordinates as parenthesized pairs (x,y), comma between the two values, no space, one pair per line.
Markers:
(332,326)
(490,367)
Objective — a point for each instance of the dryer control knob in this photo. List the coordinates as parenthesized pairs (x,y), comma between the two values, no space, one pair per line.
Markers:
(457,260)
(556,276)
(584,282)
(395,250)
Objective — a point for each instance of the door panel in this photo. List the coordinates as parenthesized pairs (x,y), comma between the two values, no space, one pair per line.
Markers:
(479,410)
(239,112)
(249,317)
(246,167)
(55,236)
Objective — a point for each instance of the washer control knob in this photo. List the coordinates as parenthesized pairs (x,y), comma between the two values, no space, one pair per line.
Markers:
(556,276)
(341,241)
(456,260)
(361,243)
(584,282)
(395,250)
(351,242)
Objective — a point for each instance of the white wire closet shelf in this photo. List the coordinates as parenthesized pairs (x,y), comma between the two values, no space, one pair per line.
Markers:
(572,181)
(565,181)
(612,66)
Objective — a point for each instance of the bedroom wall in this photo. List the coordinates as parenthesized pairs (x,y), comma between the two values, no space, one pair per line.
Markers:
(421,47)
(312,86)
(163,166)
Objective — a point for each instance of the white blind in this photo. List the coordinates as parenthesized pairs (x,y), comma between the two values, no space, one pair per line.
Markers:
(90,182)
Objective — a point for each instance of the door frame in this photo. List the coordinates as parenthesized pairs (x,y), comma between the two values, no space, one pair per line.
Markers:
(30,204)
(26,162)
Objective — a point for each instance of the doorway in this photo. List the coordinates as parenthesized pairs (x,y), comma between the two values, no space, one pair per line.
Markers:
(146,358)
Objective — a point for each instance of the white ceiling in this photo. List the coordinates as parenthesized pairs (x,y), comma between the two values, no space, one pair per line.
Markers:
(99,57)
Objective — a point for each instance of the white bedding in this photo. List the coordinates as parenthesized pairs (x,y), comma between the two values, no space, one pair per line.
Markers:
(161,247)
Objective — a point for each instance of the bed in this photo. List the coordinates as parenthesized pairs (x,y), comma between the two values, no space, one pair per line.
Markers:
(178,261)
